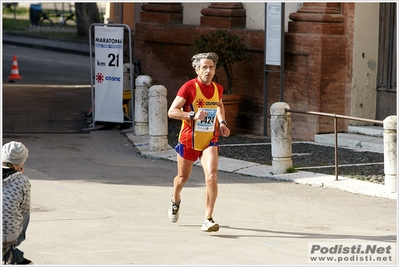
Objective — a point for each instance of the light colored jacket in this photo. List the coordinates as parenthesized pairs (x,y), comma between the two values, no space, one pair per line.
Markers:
(16,203)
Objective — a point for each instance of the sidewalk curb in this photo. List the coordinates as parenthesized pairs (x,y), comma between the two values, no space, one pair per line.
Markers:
(142,144)
(48,44)
(225,164)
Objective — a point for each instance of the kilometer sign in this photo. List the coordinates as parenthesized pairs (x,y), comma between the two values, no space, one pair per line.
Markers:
(108,63)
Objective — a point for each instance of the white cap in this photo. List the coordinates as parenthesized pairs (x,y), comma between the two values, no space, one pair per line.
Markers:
(14,152)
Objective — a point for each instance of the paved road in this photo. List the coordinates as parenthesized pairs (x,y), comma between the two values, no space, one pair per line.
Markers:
(94,201)
(44,66)
(30,108)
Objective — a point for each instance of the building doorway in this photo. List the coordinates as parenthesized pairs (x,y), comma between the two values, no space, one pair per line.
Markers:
(386,76)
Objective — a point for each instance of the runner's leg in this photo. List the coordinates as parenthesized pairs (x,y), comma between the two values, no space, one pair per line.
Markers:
(209,162)
(184,168)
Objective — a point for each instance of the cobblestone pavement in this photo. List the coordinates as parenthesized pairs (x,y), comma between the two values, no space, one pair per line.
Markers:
(307,156)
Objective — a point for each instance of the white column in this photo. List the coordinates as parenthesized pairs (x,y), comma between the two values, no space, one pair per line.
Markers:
(143,82)
(158,118)
(390,155)
(280,128)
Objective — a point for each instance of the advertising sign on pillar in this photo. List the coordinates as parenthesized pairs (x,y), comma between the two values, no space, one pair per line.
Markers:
(108,74)
(273,34)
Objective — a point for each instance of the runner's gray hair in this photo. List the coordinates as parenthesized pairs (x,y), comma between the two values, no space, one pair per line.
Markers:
(195,60)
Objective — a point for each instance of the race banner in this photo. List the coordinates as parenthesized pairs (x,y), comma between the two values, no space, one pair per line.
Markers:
(108,74)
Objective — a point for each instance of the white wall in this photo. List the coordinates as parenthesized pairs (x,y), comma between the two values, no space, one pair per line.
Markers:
(192,12)
(255,13)
(365,59)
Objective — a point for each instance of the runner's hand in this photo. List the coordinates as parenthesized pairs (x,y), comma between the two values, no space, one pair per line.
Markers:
(224,131)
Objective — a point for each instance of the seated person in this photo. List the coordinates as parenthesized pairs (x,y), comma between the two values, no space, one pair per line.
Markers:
(16,202)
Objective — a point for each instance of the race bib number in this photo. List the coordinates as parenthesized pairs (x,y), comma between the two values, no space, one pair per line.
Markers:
(208,123)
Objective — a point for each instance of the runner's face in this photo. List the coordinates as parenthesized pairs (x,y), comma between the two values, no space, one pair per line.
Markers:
(206,71)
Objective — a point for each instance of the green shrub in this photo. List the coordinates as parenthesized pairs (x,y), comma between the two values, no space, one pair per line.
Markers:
(227,45)
(291,170)
(19,11)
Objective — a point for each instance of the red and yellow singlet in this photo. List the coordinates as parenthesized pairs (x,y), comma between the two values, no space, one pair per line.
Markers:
(200,96)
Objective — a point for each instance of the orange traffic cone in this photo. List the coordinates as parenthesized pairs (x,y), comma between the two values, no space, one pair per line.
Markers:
(14,70)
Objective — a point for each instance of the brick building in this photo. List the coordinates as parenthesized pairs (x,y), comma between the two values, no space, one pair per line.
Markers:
(339,57)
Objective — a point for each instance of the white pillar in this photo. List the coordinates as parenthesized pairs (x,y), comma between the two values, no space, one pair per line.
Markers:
(143,82)
(390,156)
(280,128)
(158,118)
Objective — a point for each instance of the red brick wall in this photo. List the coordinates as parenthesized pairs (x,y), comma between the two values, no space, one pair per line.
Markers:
(164,53)
(316,71)
(315,80)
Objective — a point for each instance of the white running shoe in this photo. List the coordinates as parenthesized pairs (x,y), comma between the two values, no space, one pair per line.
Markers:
(208,225)
(173,211)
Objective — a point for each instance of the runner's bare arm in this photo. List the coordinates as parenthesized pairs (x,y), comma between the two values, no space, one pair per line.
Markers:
(220,113)
(175,111)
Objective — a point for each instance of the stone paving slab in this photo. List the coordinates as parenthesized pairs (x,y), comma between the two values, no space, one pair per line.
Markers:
(265,171)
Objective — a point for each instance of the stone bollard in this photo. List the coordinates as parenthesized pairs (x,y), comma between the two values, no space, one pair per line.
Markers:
(390,156)
(143,82)
(158,118)
(280,128)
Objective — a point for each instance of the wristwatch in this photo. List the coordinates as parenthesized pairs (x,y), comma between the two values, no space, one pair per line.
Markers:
(192,115)
(223,122)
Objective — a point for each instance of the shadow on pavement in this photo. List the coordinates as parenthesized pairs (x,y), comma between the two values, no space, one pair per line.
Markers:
(45,109)
(323,236)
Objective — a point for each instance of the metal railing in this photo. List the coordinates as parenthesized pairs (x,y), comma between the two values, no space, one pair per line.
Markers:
(335,116)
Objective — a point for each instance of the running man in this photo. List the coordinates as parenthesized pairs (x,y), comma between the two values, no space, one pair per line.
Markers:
(199,106)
